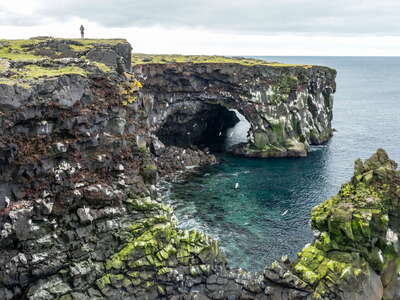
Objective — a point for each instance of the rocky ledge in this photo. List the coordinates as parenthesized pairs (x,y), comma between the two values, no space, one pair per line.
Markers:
(289,107)
(80,217)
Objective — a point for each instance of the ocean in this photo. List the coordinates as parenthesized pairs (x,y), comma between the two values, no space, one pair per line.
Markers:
(268,215)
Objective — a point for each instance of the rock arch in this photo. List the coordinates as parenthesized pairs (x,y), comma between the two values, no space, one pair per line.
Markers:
(289,108)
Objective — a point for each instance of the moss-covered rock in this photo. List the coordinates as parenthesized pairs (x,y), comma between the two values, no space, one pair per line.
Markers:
(23,62)
(357,249)
(141,59)
(156,249)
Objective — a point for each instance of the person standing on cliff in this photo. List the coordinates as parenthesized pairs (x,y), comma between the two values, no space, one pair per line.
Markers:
(82,31)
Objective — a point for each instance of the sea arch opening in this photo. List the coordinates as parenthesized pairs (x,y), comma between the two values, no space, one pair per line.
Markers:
(204,125)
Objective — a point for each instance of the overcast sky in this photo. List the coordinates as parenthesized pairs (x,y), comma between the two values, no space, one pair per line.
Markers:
(230,27)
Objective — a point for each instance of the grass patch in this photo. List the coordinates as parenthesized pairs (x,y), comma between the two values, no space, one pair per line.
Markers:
(101,66)
(34,71)
(19,50)
(139,59)
(7,81)
(87,44)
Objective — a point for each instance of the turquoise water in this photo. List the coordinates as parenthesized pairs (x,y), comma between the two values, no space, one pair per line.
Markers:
(268,215)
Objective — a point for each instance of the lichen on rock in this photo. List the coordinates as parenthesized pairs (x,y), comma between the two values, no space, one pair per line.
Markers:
(157,253)
(356,252)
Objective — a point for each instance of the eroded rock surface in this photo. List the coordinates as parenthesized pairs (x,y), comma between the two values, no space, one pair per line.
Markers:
(288,107)
(79,213)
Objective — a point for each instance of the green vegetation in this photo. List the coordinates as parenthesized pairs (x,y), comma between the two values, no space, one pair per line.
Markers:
(27,50)
(139,59)
(35,71)
(156,247)
(103,67)
(8,81)
(86,44)
(91,42)
(282,90)
(37,55)
(128,89)
(356,236)
(17,50)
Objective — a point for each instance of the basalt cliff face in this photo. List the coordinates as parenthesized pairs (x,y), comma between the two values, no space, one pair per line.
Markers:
(289,107)
(81,218)
(77,196)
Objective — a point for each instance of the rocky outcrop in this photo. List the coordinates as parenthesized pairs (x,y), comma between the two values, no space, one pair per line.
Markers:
(356,252)
(79,214)
(289,107)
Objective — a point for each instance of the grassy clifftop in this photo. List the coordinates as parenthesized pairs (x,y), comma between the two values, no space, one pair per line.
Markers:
(39,48)
(140,59)
(30,59)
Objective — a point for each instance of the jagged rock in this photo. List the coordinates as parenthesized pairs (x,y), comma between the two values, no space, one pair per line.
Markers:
(157,147)
(355,252)
(149,173)
(101,195)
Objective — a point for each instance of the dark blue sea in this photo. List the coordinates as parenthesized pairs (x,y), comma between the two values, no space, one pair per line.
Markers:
(268,215)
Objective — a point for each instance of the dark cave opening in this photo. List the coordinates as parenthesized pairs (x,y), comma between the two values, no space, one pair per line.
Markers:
(202,125)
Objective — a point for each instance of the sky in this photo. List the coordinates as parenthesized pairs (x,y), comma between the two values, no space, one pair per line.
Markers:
(220,27)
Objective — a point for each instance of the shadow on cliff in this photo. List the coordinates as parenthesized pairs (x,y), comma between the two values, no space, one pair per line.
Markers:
(210,126)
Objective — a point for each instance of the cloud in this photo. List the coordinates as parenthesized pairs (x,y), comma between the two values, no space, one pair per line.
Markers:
(338,17)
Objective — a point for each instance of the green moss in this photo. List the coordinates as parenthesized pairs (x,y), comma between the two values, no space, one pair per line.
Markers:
(25,49)
(35,71)
(103,281)
(156,246)
(128,89)
(283,88)
(164,270)
(261,139)
(353,226)
(9,81)
(92,42)
(146,204)
(17,50)
(86,44)
(139,58)
(278,132)
(102,66)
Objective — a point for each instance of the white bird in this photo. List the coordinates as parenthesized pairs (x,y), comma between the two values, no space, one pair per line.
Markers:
(285,212)
(231,134)
(220,133)
(7,201)
(236,185)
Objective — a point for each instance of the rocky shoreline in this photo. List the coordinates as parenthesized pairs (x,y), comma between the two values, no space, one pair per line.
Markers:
(80,217)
